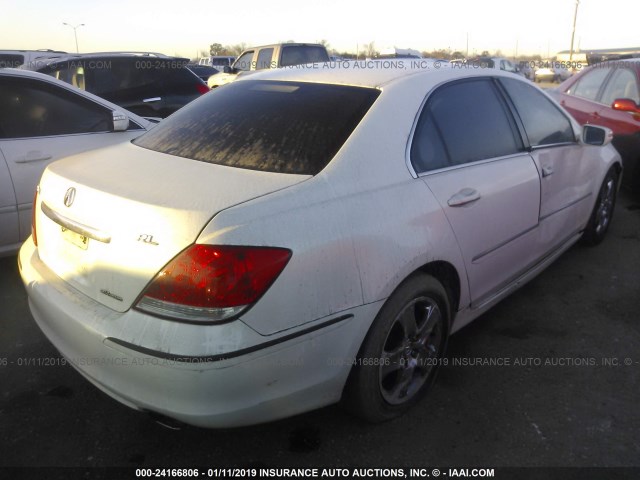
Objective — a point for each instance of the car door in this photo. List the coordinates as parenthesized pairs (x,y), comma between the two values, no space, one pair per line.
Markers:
(623,83)
(9,233)
(581,98)
(41,122)
(566,174)
(467,149)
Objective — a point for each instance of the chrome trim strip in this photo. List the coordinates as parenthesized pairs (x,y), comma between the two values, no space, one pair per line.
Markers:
(226,356)
(477,162)
(552,145)
(584,197)
(72,225)
(502,244)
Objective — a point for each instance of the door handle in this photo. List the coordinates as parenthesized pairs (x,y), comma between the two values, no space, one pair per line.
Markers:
(547,170)
(464,197)
(33,156)
(152,99)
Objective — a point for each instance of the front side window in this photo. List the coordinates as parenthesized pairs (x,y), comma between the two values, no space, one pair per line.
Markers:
(244,62)
(623,84)
(543,122)
(463,122)
(32,109)
(284,127)
(589,85)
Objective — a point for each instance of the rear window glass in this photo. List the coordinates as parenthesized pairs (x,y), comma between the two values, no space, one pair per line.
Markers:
(284,127)
(8,60)
(299,54)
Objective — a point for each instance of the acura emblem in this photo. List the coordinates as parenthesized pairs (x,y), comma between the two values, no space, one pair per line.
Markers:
(69,197)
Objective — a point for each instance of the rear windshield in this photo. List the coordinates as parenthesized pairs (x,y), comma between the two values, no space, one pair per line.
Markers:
(301,54)
(8,60)
(284,127)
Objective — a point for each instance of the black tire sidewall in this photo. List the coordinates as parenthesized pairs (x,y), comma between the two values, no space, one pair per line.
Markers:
(362,394)
(591,236)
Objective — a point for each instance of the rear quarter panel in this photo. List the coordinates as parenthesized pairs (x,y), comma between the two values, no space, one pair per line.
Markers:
(356,230)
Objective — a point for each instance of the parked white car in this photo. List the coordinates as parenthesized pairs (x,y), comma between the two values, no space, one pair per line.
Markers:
(318,241)
(43,119)
(551,72)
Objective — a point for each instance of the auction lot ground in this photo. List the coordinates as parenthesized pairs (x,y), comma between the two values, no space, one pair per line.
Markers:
(565,398)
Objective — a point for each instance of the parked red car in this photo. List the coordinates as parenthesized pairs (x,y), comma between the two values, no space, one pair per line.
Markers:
(608,94)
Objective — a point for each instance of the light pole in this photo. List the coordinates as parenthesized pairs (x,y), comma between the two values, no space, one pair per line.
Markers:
(573,33)
(75,34)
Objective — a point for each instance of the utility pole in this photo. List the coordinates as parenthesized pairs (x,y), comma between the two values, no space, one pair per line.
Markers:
(75,33)
(573,33)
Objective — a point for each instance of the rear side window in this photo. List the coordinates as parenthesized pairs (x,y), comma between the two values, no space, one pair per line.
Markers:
(264,58)
(285,127)
(543,122)
(463,122)
(301,54)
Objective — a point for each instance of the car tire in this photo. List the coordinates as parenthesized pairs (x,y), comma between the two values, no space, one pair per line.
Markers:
(602,213)
(402,352)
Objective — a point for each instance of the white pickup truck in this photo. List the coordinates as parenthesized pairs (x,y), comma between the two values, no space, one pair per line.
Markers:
(270,56)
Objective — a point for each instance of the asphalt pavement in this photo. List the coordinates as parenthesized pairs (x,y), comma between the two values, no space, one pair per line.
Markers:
(549,377)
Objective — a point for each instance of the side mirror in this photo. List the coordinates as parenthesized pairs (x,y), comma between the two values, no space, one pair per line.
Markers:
(599,136)
(227,69)
(120,121)
(625,105)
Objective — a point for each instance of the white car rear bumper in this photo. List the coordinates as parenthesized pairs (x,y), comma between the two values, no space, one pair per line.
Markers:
(262,379)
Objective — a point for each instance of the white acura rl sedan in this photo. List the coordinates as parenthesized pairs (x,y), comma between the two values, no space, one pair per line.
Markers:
(302,237)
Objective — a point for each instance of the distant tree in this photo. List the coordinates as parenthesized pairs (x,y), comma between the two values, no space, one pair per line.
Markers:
(485,53)
(457,55)
(216,49)
(236,49)
(325,44)
(370,50)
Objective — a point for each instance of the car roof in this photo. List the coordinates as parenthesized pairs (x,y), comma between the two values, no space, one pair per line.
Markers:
(96,55)
(372,73)
(286,44)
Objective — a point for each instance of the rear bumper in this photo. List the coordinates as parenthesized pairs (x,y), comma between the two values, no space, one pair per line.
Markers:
(212,376)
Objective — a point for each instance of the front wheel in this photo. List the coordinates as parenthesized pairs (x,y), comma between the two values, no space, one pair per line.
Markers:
(603,210)
(400,356)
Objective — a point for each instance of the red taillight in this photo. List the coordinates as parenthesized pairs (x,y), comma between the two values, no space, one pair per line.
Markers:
(34,234)
(202,88)
(208,283)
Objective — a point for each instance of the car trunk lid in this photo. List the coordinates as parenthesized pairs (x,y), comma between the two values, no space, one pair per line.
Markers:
(110,219)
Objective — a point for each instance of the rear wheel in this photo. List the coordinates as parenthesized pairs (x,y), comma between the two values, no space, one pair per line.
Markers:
(603,210)
(400,356)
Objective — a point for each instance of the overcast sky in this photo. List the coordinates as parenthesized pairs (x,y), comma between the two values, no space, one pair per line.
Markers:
(185,28)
